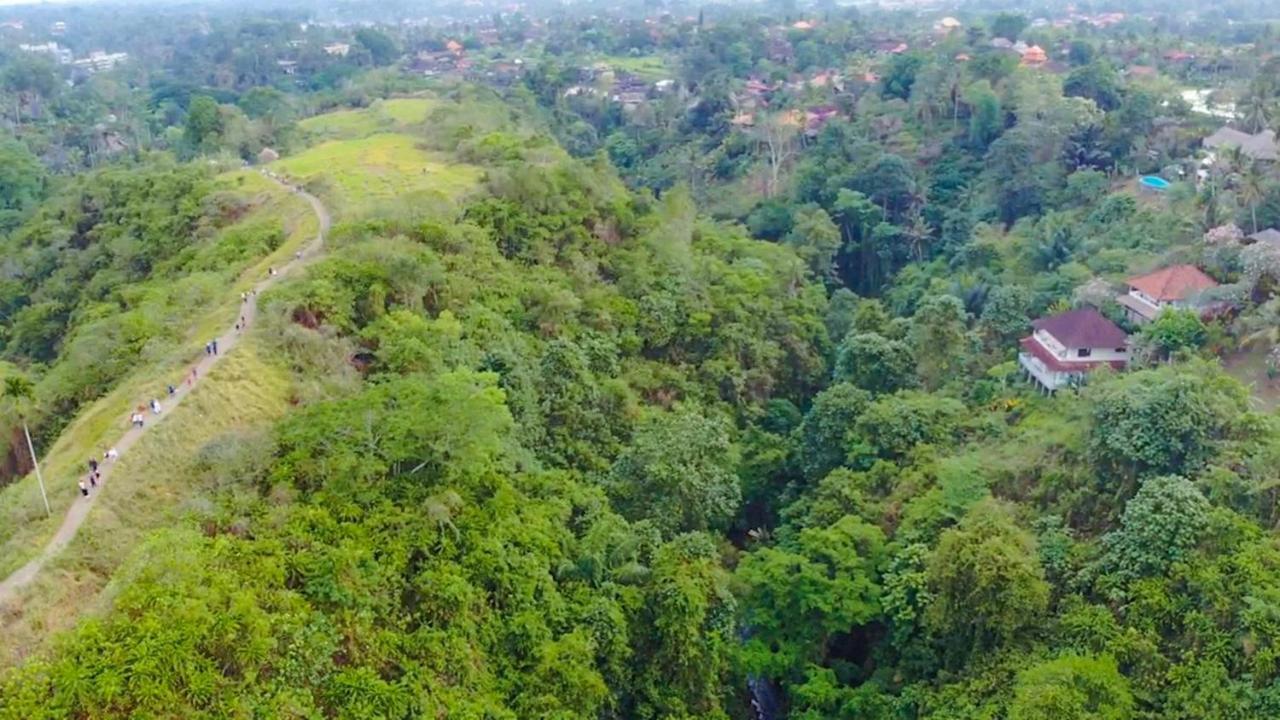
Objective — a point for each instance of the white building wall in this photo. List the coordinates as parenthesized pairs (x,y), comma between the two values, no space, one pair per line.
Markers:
(1098,355)
(1145,299)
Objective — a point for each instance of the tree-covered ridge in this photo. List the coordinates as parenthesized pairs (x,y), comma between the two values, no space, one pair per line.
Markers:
(452,546)
(710,406)
(437,578)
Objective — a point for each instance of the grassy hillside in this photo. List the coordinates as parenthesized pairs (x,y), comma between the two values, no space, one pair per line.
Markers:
(200,304)
(383,115)
(156,484)
(488,494)
(356,175)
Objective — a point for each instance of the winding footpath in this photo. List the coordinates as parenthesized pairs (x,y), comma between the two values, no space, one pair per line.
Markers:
(79,509)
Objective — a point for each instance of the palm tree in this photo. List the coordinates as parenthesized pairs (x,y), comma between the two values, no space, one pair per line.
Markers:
(1257,113)
(1264,326)
(18,393)
(1253,188)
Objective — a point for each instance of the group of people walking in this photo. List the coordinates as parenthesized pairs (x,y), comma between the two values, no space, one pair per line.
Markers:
(95,471)
(138,418)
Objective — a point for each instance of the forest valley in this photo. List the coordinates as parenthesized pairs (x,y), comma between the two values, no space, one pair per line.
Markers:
(720,401)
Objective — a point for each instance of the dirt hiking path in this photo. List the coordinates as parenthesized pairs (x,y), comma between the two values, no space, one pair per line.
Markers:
(79,510)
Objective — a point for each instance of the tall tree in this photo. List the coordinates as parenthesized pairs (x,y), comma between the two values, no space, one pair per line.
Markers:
(204,122)
(19,394)
(679,472)
(1072,687)
(778,134)
(986,582)
(938,339)
(382,49)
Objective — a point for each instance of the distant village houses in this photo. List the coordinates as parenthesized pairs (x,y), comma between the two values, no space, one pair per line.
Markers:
(98,61)
(58,54)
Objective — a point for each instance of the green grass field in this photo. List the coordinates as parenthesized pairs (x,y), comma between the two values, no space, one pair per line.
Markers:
(646,67)
(356,175)
(381,116)
(24,529)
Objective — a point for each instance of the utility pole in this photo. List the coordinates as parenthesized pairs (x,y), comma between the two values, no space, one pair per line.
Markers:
(39,478)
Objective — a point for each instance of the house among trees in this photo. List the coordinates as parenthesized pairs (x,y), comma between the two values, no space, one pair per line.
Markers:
(1261,146)
(1064,347)
(1270,235)
(1175,286)
(1034,56)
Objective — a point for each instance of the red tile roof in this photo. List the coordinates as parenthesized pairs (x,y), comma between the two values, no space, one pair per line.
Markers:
(1176,282)
(1083,328)
(1057,364)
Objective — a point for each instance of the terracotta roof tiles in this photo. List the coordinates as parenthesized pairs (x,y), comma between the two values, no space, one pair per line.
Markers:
(1176,282)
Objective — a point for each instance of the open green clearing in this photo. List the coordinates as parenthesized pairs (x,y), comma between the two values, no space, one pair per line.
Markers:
(1250,367)
(646,67)
(355,175)
(383,115)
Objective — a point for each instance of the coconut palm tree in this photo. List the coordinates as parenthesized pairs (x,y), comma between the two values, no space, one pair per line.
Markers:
(1252,189)
(18,393)
(1257,113)
(1263,326)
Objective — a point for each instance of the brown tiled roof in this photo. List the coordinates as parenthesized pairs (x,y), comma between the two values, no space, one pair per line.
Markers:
(1083,328)
(1176,282)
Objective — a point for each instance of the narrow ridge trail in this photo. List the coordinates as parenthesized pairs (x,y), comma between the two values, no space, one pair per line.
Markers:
(79,509)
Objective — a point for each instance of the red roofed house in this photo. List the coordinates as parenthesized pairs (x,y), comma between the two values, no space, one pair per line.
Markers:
(1174,286)
(1064,347)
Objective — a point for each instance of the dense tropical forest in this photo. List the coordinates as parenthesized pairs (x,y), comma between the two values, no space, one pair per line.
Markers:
(811,361)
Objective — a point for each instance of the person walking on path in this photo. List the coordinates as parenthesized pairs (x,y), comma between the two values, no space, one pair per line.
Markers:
(214,343)
(84,489)
(155,406)
(208,348)
(93,479)
(172,390)
(111,454)
(93,465)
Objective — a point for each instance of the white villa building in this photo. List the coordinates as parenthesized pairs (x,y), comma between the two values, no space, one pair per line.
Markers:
(1063,348)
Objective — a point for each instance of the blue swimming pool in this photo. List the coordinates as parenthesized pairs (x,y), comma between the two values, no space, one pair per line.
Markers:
(1154,182)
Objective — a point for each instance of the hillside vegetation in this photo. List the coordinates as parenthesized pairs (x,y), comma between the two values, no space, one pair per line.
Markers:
(770,361)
